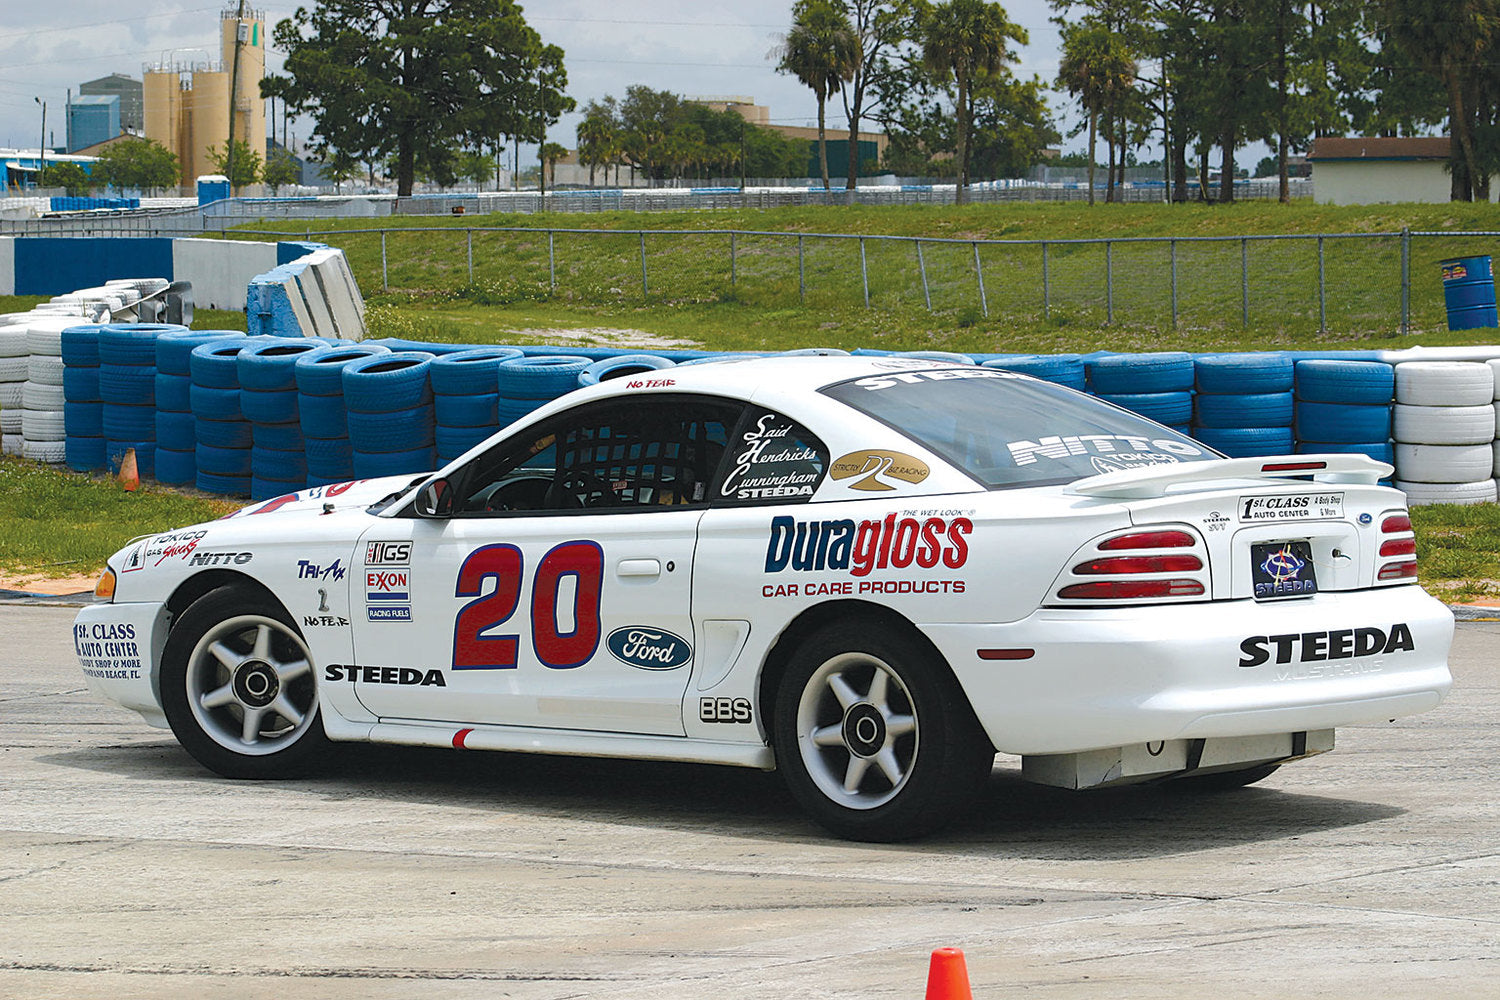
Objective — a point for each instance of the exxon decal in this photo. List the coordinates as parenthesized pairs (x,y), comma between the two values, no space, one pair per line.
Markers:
(649,648)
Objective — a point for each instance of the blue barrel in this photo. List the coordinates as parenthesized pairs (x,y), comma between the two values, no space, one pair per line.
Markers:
(1469,290)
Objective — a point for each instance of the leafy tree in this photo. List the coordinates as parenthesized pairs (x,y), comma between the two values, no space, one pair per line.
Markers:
(598,137)
(1098,69)
(280,171)
(551,153)
(412,79)
(881,29)
(138,165)
(69,176)
(1011,126)
(822,51)
(340,168)
(246,163)
(966,40)
(476,165)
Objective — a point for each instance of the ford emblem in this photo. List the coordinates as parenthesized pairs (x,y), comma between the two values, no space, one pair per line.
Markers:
(649,648)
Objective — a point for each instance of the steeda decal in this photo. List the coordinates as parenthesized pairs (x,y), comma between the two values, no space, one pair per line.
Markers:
(649,648)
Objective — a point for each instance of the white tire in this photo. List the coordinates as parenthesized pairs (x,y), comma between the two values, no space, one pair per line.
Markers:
(13,342)
(146,286)
(1497,420)
(15,319)
(44,334)
(10,444)
(38,396)
(42,425)
(10,421)
(10,395)
(1444,383)
(16,369)
(1444,463)
(1444,424)
(1421,494)
(1494,364)
(46,369)
(45,451)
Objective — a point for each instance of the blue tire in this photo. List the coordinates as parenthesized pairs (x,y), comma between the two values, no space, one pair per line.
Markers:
(407,430)
(1367,383)
(273,367)
(127,385)
(322,416)
(224,433)
(372,465)
(1163,407)
(952,357)
(81,385)
(128,423)
(145,456)
(80,346)
(233,462)
(132,343)
(1342,422)
(329,458)
(1064,369)
(815,352)
(1380,451)
(211,403)
(229,486)
(508,411)
(216,365)
(541,377)
(1264,409)
(452,442)
(277,437)
(176,431)
(465,411)
(1246,442)
(1137,374)
(387,383)
(174,349)
(279,407)
(621,367)
(174,393)
(83,419)
(281,466)
(1244,374)
(176,468)
(321,372)
(465,372)
(84,454)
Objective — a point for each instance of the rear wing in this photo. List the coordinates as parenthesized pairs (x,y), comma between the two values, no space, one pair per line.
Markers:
(1158,480)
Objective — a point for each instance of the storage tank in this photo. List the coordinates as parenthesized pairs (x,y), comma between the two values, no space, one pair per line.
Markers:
(161,90)
(207,118)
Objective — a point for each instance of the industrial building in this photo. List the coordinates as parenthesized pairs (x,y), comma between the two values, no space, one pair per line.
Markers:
(92,120)
(127,89)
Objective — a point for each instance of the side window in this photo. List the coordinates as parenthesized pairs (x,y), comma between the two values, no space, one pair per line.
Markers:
(773,459)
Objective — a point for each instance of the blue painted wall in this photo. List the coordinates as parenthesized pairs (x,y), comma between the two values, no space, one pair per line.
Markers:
(50,265)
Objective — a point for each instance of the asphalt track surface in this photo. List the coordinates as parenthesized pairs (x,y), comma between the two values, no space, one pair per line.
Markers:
(127,871)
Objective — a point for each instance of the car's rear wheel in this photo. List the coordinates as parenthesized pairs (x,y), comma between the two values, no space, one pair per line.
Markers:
(873,735)
(238,686)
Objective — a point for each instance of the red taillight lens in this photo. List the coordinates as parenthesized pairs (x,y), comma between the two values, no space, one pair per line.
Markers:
(1139,564)
(1402,549)
(1149,540)
(1398,547)
(1399,571)
(1395,523)
(1125,590)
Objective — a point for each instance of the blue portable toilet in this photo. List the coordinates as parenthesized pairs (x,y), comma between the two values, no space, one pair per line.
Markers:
(211,188)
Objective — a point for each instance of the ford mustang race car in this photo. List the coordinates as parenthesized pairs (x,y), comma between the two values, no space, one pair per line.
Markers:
(871,574)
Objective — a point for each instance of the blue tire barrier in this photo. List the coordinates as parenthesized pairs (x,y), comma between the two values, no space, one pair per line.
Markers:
(229,486)
(1354,382)
(81,385)
(949,356)
(176,431)
(1138,374)
(507,411)
(211,403)
(127,385)
(724,357)
(1163,407)
(329,458)
(372,465)
(313,480)
(403,431)
(83,419)
(541,377)
(270,489)
(816,352)
(176,468)
(83,454)
(322,416)
(387,383)
(280,466)
(1185,430)
(1063,369)
(132,343)
(145,456)
(215,365)
(464,372)
(174,349)
(174,393)
(128,423)
(272,367)
(452,442)
(1380,451)
(279,407)
(223,433)
(1246,442)
(80,346)
(278,437)
(398,345)
(625,365)
(321,372)
(1243,374)
(1345,422)
(233,462)
(1261,409)
(466,411)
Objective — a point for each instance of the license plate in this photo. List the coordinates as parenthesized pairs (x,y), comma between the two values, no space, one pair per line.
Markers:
(1280,570)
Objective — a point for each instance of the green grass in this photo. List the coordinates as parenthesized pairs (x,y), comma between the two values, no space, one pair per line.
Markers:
(1458,550)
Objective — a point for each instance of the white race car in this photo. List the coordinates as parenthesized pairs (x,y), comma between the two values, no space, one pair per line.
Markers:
(871,574)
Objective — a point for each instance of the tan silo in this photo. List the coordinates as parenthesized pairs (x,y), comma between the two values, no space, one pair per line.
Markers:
(206,116)
(161,93)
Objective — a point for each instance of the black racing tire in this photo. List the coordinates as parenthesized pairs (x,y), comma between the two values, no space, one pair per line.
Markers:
(234,663)
(1223,781)
(873,736)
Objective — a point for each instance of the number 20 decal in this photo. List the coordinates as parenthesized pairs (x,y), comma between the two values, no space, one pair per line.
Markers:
(474,650)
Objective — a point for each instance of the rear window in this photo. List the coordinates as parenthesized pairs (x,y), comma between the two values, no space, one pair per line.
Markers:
(1007,430)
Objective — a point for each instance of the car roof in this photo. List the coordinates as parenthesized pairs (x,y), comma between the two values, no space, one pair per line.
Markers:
(777,375)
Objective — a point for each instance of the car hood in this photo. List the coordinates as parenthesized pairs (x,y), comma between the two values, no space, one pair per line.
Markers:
(359,493)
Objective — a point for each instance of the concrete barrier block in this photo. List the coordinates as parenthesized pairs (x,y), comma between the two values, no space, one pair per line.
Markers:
(7,265)
(220,270)
(340,293)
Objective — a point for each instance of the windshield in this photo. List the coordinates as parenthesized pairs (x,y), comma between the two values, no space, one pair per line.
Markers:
(1007,430)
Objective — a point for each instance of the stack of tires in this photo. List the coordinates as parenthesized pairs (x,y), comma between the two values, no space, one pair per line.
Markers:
(1445,431)
(83,407)
(43,424)
(1064,369)
(268,399)
(222,452)
(176,427)
(1157,386)
(14,363)
(127,386)
(1344,407)
(321,411)
(1244,404)
(389,399)
(465,399)
(526,383)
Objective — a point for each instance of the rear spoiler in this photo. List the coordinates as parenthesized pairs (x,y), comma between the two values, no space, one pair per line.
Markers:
(1158,480)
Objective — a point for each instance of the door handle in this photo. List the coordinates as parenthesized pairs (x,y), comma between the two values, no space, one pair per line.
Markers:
(639,567)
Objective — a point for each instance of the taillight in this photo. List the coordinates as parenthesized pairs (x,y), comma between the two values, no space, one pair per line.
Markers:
(1142,565)
(1139,564)
(1149,540)
(1129,590)
(1398,549)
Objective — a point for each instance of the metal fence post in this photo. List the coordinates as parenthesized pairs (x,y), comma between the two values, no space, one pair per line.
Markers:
(864,271)
(1046,285)
(385,282)
(1244,283)
(922,269)
(801,275)
(469,239)
(645,290)
(1173,244)
(552,260)
(732,275)
(984,303)
(1322,292)
(1109,281)
(1405,281)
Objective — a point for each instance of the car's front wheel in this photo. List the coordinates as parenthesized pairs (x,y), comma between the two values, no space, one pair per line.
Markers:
(238,686)
(873,735)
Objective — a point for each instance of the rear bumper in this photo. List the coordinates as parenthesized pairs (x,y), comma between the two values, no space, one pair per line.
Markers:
(1116,676)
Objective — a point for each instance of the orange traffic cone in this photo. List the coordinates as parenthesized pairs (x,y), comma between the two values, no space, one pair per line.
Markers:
(130,478)
(947,976)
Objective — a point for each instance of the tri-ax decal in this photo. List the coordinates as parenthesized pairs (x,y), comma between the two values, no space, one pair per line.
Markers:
(407,676)
(1338,644)
(648,648)
(308,570)
(876,468)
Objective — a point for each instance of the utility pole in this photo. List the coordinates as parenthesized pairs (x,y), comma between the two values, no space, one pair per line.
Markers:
(41,147)
(234,84)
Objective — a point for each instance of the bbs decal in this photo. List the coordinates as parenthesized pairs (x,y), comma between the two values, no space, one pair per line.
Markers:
(732,710)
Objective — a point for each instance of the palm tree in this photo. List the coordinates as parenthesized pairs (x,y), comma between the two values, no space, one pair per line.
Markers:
(963,40)
(598,139)
(823,52)
(1097,69)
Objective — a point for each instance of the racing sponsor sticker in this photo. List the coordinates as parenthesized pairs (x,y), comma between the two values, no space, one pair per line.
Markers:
(1282,569)
(1108,452)
(1333,646)
(860,548)
(154,551)
(648,648)
(406,676)
(876,382)
(1296,507)
(107,650)
(388,581)
(878,470)
(308,570)
(773,460)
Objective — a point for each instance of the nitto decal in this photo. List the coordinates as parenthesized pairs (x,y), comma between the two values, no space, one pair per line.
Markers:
(407,676)
(1339,644)
(875,382)
(387,553)
(875,468)
(220,558)
(312,571)
(864,546)
(1127,450)
(724,710)
(771,464)
(649,648)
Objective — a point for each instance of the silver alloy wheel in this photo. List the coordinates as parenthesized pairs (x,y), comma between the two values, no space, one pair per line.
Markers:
(857,730)
(250,685)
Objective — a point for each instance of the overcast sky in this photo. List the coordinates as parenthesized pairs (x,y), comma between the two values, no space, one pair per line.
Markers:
(711,47)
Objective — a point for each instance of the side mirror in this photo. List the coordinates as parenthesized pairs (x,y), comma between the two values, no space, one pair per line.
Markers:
(435,499)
